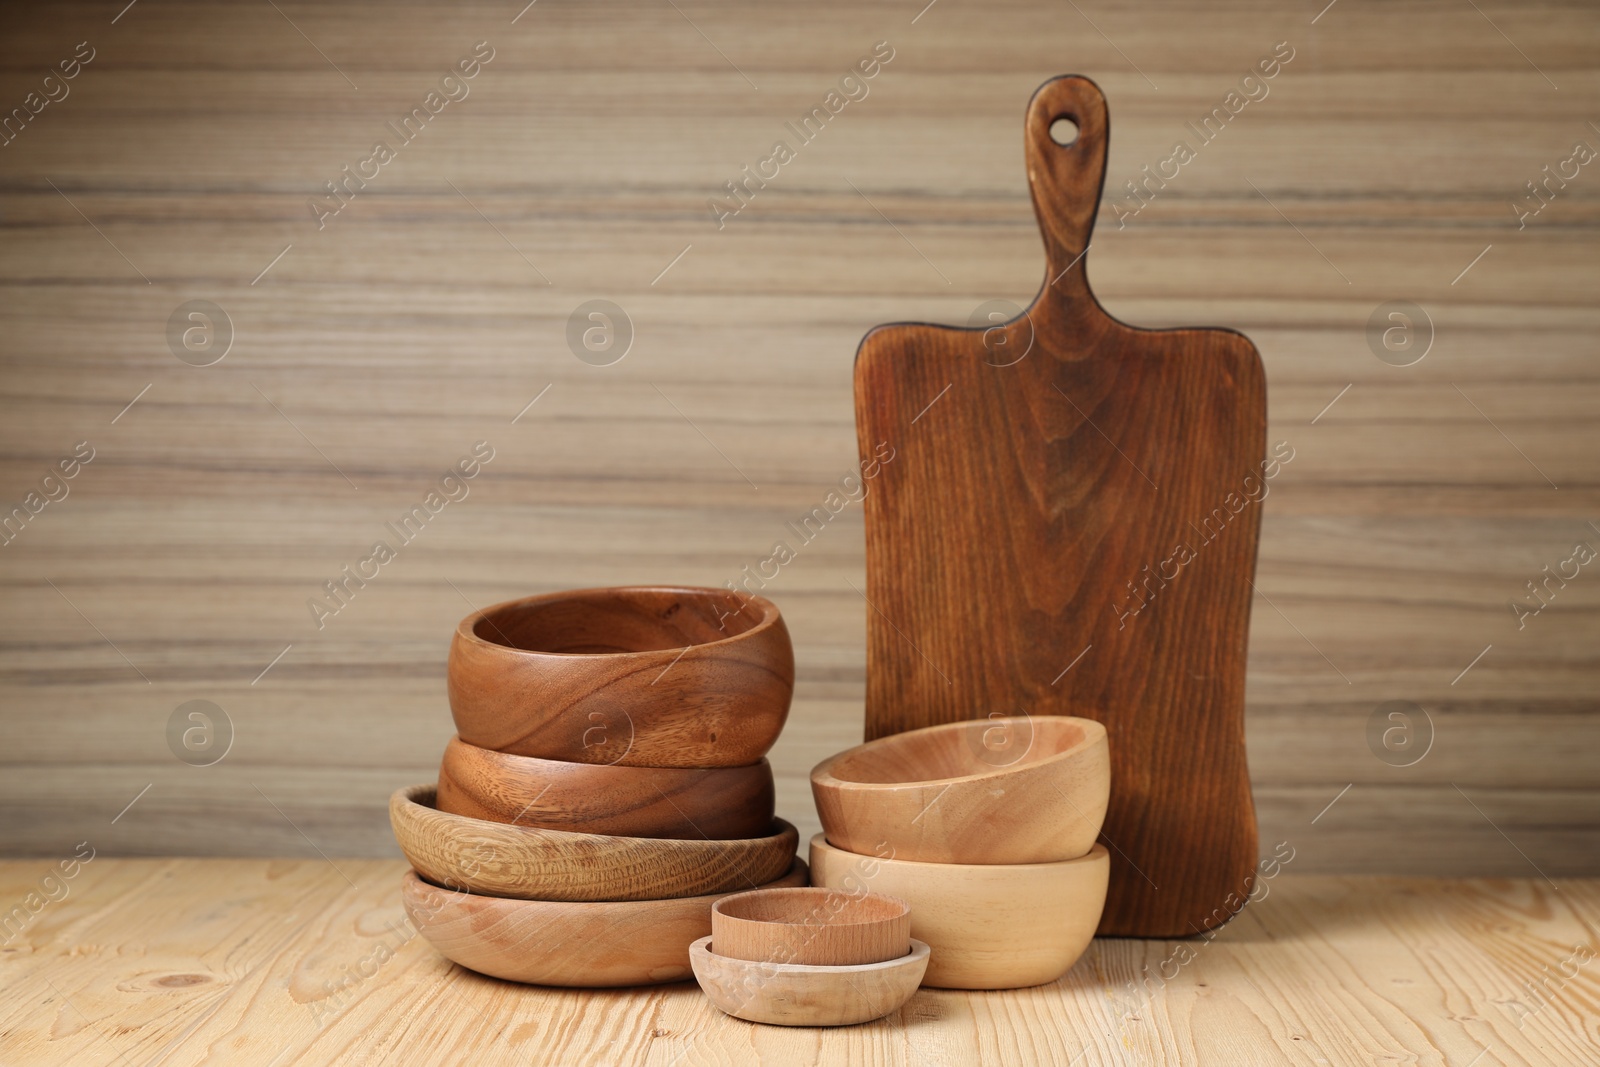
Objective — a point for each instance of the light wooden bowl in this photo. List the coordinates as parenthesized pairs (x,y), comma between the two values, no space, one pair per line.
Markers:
(1023,789)
(643,677)
(793,994)
(642,942)
(815,926)
(529,864)
(706,802)
(991,926)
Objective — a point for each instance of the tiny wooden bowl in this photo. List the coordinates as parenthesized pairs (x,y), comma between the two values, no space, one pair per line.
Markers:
(591,945)
(719,803)
(525,863)
(794,994)
(991,926)
(646,676)
(813,926)
(1023,789)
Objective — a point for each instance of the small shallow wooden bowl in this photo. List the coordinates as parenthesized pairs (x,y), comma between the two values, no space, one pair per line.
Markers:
(589,945)
(814,926)
(795,994)
(719,803)
(1022,789)
(645,676)
(991,926)
(522,862)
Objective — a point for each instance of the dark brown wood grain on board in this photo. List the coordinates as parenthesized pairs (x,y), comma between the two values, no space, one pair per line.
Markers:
(1069,527)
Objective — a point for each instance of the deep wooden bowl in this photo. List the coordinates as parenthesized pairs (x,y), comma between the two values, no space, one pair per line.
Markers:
(814,926)
(991,926)
(643,677)
(1022,789)
(500,860)
(641,942)
(719,803)
(793,994)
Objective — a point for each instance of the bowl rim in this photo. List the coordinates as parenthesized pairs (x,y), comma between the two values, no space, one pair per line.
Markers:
(467,634)
(919,951)
(563,767)
(820,890)
(1095,853)
(536,836)
(822,773)
(598,907)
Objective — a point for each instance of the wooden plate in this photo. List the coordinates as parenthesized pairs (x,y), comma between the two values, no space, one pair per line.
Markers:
(529,864)
(557,943)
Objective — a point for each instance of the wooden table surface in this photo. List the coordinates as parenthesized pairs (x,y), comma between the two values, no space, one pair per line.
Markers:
(191,961)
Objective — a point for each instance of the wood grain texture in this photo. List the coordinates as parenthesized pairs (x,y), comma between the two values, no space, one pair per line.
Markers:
(408,329)
(814,926)
(555,943)
(644,676)
(1000,790)
(719,803)
(991,926)
(798,994)
(243,961)
(1074,533)
(521,862)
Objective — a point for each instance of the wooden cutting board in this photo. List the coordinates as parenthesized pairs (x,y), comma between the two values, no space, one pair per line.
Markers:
(1068,527)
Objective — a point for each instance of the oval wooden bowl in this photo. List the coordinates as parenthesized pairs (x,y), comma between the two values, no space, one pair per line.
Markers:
(704,802)
(1022,789)
(644,676)
(642,942)
(794,994)
(531,864)
(814,926)
(991,926)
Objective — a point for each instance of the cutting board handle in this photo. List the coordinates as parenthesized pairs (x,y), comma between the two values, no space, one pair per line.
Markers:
(1066,181)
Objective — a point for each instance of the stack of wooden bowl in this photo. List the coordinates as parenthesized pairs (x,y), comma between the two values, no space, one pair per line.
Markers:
(607,786)
(809,957)
(987,829)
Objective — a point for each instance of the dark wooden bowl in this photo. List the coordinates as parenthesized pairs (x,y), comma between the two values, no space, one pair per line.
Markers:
(719,803)
(645,676)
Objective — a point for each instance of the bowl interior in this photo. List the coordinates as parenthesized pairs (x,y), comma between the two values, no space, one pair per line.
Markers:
(958,750)
(812,906)
(611,621)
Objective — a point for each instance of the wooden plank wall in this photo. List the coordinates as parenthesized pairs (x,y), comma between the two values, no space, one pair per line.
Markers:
(1382,165)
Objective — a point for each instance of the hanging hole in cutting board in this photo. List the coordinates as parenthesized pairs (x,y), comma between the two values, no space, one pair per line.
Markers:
(1064,132)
